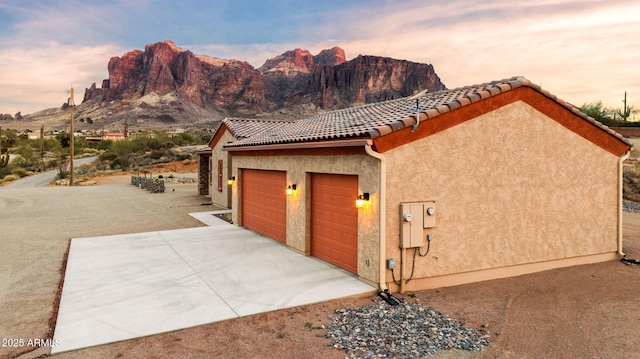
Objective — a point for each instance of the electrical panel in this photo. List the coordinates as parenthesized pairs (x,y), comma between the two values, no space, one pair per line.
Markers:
(414,218)
(412,225)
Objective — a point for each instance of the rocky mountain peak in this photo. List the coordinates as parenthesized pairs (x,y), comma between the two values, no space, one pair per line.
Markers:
(332,56)
(300,61)
(296,81)
(289,63)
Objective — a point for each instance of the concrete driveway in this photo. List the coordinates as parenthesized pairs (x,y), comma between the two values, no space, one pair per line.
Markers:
(126,286)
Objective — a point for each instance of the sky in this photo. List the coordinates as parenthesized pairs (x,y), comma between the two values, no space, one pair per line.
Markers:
(582,51)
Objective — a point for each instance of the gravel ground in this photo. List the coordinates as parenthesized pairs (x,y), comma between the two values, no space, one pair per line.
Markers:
(630,206)
(407,330)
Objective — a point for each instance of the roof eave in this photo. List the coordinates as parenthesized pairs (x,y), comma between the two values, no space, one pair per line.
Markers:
(355,142)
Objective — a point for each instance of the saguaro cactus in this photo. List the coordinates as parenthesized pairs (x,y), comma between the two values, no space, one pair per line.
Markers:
(626,112)
(4,160)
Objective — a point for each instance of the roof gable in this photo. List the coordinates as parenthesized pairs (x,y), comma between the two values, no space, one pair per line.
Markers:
(241,128)
(378,120)
(583,126)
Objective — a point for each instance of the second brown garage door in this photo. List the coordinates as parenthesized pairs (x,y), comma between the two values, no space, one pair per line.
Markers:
(264,203)
(334,220)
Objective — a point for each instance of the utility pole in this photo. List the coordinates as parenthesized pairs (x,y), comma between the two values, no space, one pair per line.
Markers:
(126,127)
(42,146)
(71,108)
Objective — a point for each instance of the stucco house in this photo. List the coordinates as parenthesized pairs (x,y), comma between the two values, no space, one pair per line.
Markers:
(480,182)
(214,164)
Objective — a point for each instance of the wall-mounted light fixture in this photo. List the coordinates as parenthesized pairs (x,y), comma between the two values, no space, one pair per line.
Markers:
(362,199)
(231,180)
(291,189)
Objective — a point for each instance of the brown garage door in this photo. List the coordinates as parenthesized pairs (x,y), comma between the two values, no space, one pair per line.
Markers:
(264,203)
(334,220)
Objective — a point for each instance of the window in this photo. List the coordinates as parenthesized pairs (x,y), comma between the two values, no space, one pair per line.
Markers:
(219,175)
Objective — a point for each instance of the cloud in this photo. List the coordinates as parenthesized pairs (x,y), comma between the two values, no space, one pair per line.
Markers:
(37,78)
(581,51)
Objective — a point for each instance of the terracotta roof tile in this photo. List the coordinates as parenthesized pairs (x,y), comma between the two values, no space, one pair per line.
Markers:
(247,127)
(454,105)
(432,112)
(377,119)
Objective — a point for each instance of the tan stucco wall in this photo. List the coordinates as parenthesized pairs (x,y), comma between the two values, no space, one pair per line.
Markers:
(217,197)
(511,187)
(298,170)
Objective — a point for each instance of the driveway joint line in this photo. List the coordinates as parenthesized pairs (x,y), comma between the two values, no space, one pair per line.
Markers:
(198,275)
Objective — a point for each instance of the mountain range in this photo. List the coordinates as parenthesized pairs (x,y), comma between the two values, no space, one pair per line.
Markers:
(166,86)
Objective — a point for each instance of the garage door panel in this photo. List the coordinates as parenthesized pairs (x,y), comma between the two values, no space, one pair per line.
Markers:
(334,219)
(264,205)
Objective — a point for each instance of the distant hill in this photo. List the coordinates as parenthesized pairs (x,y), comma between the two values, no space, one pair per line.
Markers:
(166,86)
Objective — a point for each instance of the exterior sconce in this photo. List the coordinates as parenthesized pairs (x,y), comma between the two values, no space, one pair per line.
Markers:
(290,189)
(362,199)
(231,180)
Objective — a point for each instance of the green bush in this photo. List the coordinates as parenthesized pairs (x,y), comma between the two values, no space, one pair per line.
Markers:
(105,145)
(4,171)
(90,151)
(107,156)
(62,170)
(19,172)
(157,154)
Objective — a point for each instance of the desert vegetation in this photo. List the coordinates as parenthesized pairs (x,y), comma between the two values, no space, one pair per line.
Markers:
(631,176)
(22,156)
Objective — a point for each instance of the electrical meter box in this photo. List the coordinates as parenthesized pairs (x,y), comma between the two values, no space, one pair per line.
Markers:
(429,214)
(414,218)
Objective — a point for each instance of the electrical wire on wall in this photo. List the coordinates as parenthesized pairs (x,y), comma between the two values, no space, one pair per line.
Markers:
(416,250)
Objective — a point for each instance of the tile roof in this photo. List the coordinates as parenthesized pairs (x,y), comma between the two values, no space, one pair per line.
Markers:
(246,127)
(379,119)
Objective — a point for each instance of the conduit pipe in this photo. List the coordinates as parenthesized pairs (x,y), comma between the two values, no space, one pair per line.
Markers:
(382,210)
(620,186)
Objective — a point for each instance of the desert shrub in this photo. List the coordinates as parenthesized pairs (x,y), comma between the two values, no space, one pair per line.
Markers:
(19,172)
(631,183)
(104,145)
(183,139)
(84,169)
(26,158)
(116,163)
(9,178)
(186,162)
(183,156)
(157,154)
(90,151)
(62,171)
(4,171)
(107,156)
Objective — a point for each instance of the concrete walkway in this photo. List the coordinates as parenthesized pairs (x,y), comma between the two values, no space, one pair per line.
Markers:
(126,286)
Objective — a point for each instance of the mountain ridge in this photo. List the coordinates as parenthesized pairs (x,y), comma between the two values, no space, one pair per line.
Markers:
(167,86)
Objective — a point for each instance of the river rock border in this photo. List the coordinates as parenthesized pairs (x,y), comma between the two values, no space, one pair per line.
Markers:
(408,330)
